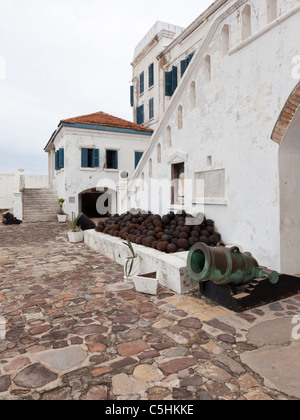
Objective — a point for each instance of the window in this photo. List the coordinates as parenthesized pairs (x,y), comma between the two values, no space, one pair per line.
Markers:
(142,83)
(151,75)
(59,159)
(112,159)
(180,118)
(90,158)
(140,115)
(158,153)
(177,189)
(272,10)
(171,81)
(192,95)
(207,69)
(184,64)
(131,96)
(151,108)
(150,168)
(137,157)
(225,40)
(169,137)
(246,22)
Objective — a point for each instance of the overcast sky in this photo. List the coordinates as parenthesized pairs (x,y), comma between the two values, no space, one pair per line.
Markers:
(65,58)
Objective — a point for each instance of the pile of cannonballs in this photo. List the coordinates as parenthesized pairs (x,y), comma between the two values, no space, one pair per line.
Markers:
(169,233)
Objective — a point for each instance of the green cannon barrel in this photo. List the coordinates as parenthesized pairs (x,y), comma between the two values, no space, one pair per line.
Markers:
(224,266)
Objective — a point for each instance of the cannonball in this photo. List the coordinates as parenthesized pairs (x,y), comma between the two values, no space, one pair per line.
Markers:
(204,240)
(210,230)
(174,241)
(193,241)
(183,243)
(162,246)
(151,233)
(195,234)
(154,244)
(165,238)
(183,235)
(213,240)
(171,249)
(210,223)
(160,235)
(138,240)
(165,220)
(100,228)
(205,233)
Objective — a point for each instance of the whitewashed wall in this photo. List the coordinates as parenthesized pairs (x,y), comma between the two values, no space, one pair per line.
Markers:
(232,121)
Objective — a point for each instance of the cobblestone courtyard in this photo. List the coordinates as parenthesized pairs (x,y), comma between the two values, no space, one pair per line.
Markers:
(74,330)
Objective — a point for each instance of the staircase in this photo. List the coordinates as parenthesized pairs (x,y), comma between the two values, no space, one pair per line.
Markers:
(40,205)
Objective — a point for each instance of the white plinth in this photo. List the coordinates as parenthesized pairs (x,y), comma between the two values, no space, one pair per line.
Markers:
(172,268)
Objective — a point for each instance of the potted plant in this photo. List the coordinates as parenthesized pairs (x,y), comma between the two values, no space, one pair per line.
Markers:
(76,235)
(132,264)
(61,215)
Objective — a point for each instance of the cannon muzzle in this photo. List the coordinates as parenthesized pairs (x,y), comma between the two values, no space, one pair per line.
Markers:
(225,266)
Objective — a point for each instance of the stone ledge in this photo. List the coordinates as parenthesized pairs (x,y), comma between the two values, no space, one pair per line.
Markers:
(172,267)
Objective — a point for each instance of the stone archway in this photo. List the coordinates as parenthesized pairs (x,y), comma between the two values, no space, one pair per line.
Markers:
(287,135)
(287,115)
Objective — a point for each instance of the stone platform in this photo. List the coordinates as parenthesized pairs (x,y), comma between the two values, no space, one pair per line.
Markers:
(172,269)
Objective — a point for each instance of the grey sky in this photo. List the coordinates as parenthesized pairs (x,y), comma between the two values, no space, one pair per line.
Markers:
(66,58)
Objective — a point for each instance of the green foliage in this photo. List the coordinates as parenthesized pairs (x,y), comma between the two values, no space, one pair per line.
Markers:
(130,260)
(73,223)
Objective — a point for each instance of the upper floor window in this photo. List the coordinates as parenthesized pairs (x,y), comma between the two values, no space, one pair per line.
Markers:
(112,159)
(151,75)
(131,96)
(184,63)
(272,10)
(151,108)
(142,83)
(59,159)
(137,157)
(90,158)
(225,35)
(246,22)
(140,118)
(171,81)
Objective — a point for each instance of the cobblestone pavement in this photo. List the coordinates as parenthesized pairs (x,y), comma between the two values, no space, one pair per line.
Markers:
(72,329)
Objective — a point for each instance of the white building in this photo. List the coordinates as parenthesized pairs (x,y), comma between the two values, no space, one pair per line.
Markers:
(233,121)
(86,156)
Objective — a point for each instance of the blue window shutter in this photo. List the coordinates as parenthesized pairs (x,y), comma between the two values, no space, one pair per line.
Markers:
(57,161)
(132,95)
(151,75)
(138,157)
(116,160)
(151,108)
(84,158)
(142,114)
(168,83)
(138,115)
(96,158)
(190,57)
(61,158)
(142,83)
(183,66)
(174,78)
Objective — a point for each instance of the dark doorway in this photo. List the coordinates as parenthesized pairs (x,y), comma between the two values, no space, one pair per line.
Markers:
(89,204)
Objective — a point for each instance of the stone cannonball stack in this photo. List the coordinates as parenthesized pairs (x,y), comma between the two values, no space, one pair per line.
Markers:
(168,233)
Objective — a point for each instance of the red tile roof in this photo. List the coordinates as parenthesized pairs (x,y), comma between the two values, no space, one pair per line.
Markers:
(106,120)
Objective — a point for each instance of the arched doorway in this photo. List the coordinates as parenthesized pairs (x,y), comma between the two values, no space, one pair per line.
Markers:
(287,135)
(89,202)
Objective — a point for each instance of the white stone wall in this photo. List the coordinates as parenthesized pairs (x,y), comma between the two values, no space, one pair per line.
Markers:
(230,126)
(6,191)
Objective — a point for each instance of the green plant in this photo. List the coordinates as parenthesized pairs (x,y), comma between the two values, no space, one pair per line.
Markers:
(130,260)
(61,204)
(73,223)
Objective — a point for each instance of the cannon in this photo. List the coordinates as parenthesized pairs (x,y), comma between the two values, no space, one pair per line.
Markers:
(235,280)
(224,266)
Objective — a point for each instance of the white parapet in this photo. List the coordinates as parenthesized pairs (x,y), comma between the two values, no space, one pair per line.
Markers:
(172,269)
